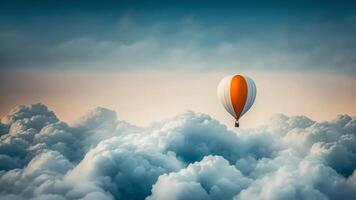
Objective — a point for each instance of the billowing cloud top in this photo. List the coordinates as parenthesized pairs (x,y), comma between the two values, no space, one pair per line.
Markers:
(190,156)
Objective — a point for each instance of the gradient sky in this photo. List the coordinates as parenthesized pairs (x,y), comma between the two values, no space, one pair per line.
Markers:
(151,60)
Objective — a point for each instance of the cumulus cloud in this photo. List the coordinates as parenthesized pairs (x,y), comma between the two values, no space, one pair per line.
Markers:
(211,178)
(190,156)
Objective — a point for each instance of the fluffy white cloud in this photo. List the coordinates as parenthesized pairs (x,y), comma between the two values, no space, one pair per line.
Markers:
(211,178)
(190,156)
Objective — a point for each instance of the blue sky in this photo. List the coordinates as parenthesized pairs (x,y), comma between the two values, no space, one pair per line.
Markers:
(199,36)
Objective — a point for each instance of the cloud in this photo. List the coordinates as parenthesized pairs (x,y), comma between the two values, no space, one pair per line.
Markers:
(211,178)
(190,156)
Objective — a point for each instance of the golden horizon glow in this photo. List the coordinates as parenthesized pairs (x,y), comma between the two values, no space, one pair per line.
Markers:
(142,98)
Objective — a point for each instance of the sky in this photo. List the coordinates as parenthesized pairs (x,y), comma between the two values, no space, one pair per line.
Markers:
(150,60)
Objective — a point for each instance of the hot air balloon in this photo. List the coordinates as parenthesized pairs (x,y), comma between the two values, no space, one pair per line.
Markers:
(237,94)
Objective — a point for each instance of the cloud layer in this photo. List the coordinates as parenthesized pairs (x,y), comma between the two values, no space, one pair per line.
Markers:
(190,156)
(131,36)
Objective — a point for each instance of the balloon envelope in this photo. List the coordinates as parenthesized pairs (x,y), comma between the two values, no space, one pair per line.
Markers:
(237,93)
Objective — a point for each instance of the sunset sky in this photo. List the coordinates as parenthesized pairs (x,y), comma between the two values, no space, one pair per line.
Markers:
(149,61)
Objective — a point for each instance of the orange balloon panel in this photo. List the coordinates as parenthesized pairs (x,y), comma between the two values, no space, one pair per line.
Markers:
(238,93)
